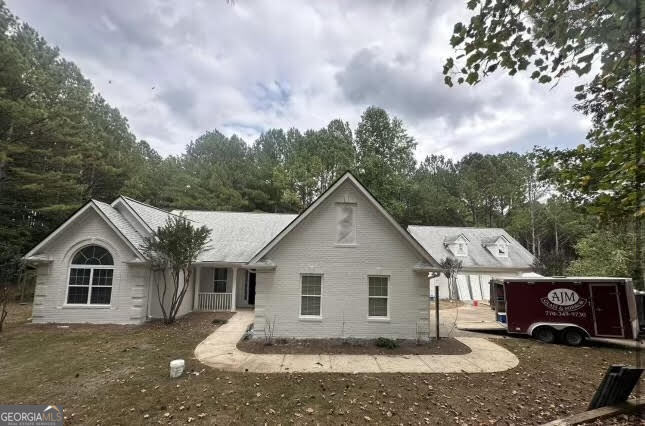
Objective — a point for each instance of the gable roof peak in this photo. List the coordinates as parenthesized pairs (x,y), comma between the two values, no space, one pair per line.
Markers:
(494,239)
(450,239)
(132,200)
(107,213)
(347,176)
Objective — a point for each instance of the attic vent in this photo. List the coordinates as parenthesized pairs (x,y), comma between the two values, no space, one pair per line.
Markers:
(345,224)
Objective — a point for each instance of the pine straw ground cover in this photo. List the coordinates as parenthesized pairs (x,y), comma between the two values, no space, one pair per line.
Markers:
(446,346)
(119,375)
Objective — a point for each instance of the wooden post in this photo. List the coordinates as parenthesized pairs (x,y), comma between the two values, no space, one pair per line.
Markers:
(429,304)
(234,289)
(436,308)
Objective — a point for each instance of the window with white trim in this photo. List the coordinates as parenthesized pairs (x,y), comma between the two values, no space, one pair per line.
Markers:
(460,248)
(219,280)
(378,297)
(90,277)
(310,295)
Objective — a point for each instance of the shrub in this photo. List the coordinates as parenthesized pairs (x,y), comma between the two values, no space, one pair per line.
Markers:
(384,342)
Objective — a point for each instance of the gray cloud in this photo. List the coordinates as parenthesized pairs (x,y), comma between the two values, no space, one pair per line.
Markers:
(180,100)
(367,79)
(249,66)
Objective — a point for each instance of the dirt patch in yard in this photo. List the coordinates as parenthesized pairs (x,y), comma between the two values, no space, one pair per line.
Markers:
(447,346)
(119,375)
(17,314)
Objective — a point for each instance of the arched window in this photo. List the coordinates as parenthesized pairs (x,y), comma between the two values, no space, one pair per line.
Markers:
(90,277)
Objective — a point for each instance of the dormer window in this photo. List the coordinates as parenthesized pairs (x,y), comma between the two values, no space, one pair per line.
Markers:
(497,246)
(457,244)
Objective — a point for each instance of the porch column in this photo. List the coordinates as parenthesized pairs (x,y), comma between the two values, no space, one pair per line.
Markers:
(234,289)
(196,284)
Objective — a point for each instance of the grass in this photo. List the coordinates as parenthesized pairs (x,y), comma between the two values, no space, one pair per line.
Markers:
(119,375)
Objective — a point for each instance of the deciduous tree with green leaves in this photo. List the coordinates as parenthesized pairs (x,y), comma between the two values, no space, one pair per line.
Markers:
(602,253)
(172,249)
(553,38)
(450,267)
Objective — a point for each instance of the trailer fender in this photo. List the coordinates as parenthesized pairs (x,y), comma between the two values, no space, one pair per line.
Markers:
(555,325)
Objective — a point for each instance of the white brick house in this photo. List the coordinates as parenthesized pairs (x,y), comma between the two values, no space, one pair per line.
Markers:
(342,268)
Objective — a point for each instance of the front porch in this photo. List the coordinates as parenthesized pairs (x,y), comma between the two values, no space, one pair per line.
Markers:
(223,288)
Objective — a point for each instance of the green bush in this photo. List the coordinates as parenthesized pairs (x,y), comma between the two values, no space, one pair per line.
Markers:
(384,342)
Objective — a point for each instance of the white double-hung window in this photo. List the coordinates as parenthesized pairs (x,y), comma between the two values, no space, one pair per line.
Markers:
(311,296)
(378,300)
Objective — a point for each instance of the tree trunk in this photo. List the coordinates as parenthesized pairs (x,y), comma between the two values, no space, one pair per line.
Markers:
(532,212)
(638,270)
(557,241)
(162,297)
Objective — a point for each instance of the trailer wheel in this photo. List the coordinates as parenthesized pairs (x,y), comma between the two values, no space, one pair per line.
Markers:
(545,334)
(573,337)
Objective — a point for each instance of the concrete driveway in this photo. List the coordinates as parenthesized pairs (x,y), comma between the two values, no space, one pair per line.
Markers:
(452,320)
(219,351)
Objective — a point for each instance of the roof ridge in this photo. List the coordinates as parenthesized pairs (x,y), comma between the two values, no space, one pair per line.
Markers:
(230,211)
(148,205)
(456,227)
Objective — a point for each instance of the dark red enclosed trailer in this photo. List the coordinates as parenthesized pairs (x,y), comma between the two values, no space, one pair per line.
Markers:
(571,308)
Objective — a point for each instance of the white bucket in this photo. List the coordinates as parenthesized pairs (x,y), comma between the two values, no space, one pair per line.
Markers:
(176,368)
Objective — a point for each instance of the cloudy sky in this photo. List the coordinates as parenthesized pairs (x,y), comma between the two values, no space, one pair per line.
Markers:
(176,69)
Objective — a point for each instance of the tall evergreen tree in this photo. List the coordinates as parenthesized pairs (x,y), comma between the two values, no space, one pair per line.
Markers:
(385,158)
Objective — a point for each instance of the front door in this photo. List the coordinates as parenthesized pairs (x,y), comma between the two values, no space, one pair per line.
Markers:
(252,288)
(606,310)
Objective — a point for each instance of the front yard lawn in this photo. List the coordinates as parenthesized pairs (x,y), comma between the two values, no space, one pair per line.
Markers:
(119,375)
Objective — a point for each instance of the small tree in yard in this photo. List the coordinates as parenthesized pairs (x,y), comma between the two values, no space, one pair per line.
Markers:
(172,249)
(450,267)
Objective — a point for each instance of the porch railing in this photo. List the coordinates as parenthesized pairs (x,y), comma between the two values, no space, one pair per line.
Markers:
(215,301)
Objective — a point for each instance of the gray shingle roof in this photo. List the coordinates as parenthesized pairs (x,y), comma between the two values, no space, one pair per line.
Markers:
(120,223)
(237,236)
(154,217)
(432,239)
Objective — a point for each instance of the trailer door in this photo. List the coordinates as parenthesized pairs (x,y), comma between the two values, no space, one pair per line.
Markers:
(607,314)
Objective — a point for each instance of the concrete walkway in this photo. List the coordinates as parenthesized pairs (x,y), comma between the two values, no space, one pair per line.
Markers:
(219,351)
